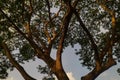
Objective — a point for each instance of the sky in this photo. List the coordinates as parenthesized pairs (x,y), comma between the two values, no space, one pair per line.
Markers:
(71,65)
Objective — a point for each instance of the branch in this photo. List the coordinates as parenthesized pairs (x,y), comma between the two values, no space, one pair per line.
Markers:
(65,23)
(94,46)
(110,40)
(48,5)
(55,34)
(112,13)
(75,3)
(15,27)
(95,73)
(31,7)
(32,43)
(47,34)
(66,20)
(39,40)
(15,64)
(29,16)
(28,29)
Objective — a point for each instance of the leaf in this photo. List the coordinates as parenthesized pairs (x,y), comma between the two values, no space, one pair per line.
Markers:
(27,52)
(1,39)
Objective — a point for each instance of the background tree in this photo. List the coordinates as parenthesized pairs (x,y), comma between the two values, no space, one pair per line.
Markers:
(33,29)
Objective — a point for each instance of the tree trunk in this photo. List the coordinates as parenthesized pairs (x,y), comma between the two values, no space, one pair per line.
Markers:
(56,68)
(61,75)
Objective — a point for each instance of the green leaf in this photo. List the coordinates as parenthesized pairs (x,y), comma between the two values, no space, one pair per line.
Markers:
(1,39)
(27,52)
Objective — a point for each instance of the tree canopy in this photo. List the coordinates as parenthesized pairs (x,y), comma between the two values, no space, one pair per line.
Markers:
(33,28)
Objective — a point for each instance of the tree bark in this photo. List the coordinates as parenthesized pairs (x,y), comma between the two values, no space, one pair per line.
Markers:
(91,76)
(56,67)
(60,73)
(97,71)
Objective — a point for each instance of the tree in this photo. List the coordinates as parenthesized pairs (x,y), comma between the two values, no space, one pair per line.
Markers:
(33,29)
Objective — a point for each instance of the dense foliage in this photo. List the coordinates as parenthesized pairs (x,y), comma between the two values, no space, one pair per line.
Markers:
(29,25)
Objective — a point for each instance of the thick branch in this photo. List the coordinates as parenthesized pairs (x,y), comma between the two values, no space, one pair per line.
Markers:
(94,46)
(28,29)
(106,51)
(66,20)
(95,73)
(15,64)
(110,40)
(65,24)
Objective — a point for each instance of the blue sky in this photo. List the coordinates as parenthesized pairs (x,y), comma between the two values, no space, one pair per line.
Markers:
(70,63)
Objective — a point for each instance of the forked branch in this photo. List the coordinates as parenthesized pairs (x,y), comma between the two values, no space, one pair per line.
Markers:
(94,46)
(32,43)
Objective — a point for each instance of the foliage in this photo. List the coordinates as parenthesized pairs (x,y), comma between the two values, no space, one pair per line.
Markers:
(4,66)
(118,71)
(27,52)
(27,23)
(46,70)
(96,19)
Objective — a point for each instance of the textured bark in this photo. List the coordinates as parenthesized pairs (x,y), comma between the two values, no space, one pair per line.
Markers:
(56,65)
(96,72)
(56,68)
(61,74)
